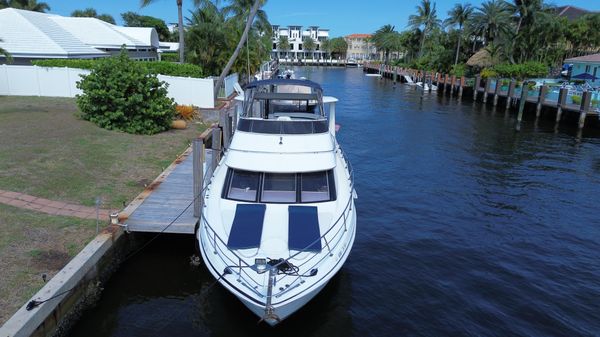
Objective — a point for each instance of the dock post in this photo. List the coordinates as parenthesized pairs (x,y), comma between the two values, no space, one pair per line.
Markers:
(511,93)
(476,87)
(460,88)
(216,149)
(226,127)
(452,84)
(198,174)
(445,83)
(540,102)
(497,91)
(430,80)
(585,107)
(486,89)
(522,101)
(562,100)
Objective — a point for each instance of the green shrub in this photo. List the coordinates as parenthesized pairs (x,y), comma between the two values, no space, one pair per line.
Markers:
(162,67)
(169,57)
(521,71)
(596,102)
(458,70)
(488,73)
(120,94)
(576,99)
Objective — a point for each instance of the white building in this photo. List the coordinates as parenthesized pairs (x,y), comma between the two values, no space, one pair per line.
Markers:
(29,36)
(296,36)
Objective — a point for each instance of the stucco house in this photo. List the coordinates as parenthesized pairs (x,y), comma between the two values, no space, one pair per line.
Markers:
(586,68)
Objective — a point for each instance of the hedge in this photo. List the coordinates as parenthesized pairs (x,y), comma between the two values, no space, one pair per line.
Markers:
(162,67)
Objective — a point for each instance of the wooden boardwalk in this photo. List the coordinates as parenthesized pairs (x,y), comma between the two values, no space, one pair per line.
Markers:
(171,195)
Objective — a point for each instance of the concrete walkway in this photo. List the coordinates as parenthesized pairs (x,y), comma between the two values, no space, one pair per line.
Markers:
(47,206)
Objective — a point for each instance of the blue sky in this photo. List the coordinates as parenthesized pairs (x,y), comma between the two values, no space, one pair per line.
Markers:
(341,17)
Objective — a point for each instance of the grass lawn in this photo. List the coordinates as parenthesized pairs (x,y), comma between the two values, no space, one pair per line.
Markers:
(32,244)
(46,151)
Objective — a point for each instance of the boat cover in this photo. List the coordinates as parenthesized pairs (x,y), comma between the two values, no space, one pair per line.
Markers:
(246,229)
(303,231)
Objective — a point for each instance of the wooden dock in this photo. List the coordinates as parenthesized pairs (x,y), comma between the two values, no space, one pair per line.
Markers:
(168,204)
(489,92)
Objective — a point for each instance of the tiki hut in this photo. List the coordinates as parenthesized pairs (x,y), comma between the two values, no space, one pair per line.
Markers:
(481,59)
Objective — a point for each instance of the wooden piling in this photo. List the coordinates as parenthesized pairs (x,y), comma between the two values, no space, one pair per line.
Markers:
(497,91)
(511,93)
(460,88)
(216,147)
(540,102)
(225,124)
(562,101)
(522,101)
(198,174)
(486,89)
(585,107)
(476,87)
(452,84)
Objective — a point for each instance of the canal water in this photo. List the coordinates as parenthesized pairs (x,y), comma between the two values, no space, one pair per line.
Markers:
(466,228)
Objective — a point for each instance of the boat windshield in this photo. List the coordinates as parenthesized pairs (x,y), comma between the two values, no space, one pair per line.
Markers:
(284,99)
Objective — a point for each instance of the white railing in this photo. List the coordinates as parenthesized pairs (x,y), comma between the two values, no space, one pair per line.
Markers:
(61,82)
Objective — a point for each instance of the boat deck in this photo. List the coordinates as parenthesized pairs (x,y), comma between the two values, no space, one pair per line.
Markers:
(170,195)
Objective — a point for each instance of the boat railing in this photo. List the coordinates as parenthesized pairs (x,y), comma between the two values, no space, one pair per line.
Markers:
(332,238)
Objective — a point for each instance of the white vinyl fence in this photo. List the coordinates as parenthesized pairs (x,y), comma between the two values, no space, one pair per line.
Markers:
(61,82)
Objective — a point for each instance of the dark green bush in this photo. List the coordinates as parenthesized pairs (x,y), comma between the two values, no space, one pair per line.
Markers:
(120,94)
(170,57)
(521,71)
(162,68)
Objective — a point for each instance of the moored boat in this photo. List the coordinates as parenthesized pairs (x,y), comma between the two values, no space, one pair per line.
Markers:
(279,219)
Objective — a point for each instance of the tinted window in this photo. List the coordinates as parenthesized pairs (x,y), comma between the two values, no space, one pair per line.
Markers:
(279,187)
(244,185)
(315,187)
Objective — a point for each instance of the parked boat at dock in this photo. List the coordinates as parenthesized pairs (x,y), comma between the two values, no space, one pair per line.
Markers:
(352,63)
(279,219)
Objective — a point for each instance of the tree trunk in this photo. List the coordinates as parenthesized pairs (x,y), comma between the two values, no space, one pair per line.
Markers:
(181,37)
(422,44)
(236,52)
(458,47)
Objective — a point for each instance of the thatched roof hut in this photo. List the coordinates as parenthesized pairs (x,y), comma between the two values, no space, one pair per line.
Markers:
(481,59)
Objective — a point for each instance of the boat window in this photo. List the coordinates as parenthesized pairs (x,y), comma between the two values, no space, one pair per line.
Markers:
(244,185)
(315,187)
(279,187)
(291,188)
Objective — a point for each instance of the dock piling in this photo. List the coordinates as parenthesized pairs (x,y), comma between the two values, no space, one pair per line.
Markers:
(460,88)
(497,91)
(476,87)
(522,101)
(216,147)
(562,100)
(511,93)
(198,174)
(540,102)
(486,89)
(585,107)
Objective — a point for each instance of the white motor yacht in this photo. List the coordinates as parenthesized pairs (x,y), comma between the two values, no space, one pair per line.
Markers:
(279,220)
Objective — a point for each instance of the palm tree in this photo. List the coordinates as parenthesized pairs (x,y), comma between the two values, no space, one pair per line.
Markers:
(383,39)
(145,3)
(459,15)
(492,20)
(5,53)
(30,5)
(309,45)
(243,38)
(207,38)
(283,44)
(426,18)
(326,47)
(238,10)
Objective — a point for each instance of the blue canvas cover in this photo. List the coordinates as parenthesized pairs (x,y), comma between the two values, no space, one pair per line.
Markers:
(304,229)
(247,226)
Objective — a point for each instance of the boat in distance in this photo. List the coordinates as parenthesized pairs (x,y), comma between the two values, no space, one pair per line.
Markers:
(278,219)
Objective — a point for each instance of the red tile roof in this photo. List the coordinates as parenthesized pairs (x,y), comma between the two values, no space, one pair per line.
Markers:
(358,36)
(587,58)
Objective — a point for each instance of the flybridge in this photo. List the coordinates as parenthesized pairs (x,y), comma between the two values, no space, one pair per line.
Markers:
(286,106)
